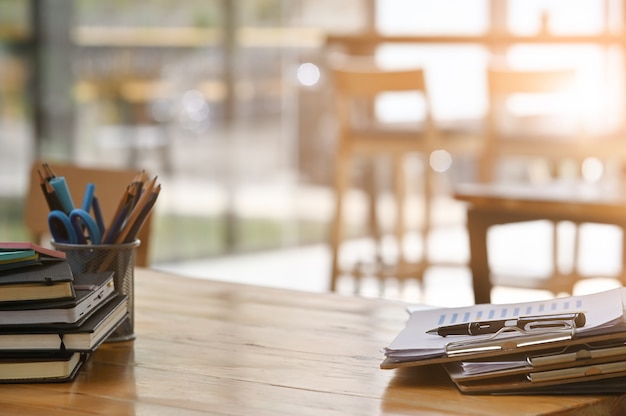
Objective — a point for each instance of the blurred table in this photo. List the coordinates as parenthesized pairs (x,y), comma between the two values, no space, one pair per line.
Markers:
(495,204)
(207,347)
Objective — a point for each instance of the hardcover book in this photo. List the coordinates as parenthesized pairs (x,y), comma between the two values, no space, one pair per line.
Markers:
(50,280)
(69,312)
(15,255)
(84,338)
(40,368)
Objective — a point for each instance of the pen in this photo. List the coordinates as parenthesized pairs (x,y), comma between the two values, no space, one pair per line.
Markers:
(88,197)
(97,212)
(578,319)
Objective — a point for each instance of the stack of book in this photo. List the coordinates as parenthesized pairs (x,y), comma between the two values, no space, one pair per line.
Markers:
(51,320)
(567,345)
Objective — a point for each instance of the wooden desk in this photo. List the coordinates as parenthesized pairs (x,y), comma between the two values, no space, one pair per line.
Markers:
(204,347)
(492,204)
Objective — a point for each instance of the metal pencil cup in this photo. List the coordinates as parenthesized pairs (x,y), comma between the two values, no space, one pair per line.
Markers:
(119,258)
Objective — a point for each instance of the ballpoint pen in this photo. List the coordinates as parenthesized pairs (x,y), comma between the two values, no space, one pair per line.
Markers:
(537,322)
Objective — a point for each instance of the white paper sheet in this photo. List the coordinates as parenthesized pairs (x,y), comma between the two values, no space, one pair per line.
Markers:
(602,310)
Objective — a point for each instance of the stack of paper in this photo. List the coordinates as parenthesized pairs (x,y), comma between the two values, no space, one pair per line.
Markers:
(51,320)
(551,356)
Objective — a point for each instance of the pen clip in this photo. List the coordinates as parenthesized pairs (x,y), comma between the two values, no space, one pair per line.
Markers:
(544,324)
(509,338)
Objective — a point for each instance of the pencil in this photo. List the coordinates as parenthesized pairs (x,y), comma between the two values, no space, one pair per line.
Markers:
(139,211)
(49,193)
(136,211)
(42,185)
(119,216)
(142,176)
(143,215)
(126,203)
(49,172)
(134,192)
(115,226)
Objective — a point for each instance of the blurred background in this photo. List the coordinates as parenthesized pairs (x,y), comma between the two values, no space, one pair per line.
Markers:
(230,103)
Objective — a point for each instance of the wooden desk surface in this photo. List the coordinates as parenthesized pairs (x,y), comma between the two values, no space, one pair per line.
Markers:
(205,347)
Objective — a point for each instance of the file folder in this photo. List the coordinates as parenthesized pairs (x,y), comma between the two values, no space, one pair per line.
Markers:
(413,346)
(517,361)
(577,356)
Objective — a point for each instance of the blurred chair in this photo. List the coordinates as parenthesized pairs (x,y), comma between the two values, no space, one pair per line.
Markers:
(110,185)
(545,140)
(362,134)
(531,117)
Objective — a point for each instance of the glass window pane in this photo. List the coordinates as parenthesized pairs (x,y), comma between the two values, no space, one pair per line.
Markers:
(431,17)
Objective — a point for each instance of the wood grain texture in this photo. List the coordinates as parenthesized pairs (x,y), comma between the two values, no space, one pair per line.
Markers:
(216,348)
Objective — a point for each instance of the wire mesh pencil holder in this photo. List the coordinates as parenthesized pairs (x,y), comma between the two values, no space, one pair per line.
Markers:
(119,258)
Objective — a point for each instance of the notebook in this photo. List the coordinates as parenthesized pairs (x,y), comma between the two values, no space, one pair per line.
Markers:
(69,312)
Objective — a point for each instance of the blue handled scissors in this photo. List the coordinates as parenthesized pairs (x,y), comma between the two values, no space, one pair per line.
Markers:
(70,227)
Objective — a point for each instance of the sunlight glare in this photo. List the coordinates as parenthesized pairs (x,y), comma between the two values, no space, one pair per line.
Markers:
(592,169)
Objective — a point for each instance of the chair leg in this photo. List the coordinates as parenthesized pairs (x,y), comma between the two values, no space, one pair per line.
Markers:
(559,280)
(575,257)
(555,249)
(429,177)
(623,271)
(565,282)
(486,166)
(371,189)
(400,193)
(341,182)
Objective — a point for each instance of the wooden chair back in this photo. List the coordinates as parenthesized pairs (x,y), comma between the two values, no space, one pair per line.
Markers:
(356,89)
(110,185)
(526,136)
(361,133)
(516,81)
(372,81)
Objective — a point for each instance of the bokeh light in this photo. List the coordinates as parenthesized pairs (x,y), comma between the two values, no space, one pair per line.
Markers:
(440,160)
(308,74)
(592,169)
